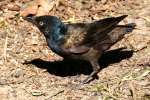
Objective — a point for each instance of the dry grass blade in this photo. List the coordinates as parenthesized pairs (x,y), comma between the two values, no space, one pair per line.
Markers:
(147,18)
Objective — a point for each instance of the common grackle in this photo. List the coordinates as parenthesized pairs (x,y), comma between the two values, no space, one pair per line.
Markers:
(86,41)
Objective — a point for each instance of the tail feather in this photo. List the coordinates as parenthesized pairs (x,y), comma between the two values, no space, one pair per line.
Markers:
(117,33)
(129,27)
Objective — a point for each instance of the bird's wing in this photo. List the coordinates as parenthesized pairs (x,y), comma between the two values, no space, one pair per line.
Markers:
(76,33)
(100,35)
(111,37)
(99,30)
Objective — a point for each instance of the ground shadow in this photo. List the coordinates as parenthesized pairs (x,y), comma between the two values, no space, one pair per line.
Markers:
(74,67)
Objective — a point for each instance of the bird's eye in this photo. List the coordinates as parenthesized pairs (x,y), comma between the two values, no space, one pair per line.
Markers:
(41,23)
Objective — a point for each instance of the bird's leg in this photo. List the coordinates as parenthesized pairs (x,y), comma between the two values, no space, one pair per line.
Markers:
(96,69)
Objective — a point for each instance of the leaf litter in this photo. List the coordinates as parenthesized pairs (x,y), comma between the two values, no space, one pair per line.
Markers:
(20,41)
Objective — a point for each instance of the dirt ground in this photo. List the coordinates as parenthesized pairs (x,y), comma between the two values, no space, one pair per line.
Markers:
(125,73)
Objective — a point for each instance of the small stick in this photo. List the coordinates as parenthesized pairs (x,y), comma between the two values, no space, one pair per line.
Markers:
(61,91)
(5,48)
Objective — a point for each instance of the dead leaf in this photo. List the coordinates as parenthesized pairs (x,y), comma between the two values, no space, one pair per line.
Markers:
(39,7)
(30,10)
(13,7)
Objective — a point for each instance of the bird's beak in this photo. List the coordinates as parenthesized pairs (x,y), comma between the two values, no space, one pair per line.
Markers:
(30,18)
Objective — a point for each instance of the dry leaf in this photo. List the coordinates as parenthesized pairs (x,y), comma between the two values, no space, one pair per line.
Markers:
(30,10)
(13,7)
(39,7)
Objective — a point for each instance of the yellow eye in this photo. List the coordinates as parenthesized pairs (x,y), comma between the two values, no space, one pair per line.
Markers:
(41,23)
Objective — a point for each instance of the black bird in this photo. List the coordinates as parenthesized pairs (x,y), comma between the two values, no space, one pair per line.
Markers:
(86,41)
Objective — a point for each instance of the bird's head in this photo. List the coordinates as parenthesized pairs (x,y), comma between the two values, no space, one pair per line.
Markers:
(46,24)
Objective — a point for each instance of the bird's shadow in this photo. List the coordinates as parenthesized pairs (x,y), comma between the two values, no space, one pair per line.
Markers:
(73,67)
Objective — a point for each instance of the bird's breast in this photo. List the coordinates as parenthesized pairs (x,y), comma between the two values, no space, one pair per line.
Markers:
(56,47)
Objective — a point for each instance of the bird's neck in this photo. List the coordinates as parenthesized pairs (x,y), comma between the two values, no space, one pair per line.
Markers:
(53,45)
(55,39)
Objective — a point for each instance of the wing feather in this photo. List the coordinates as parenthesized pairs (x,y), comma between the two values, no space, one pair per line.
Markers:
(99,35)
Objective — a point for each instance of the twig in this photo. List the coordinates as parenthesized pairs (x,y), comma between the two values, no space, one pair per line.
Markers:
(61,91)
(147,18)
(131,85)
(5,48)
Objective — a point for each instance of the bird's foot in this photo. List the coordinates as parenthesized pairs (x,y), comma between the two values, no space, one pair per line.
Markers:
(89,79)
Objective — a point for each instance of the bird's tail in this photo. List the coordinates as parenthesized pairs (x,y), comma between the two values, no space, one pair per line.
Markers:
(117,33)
(127,28)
